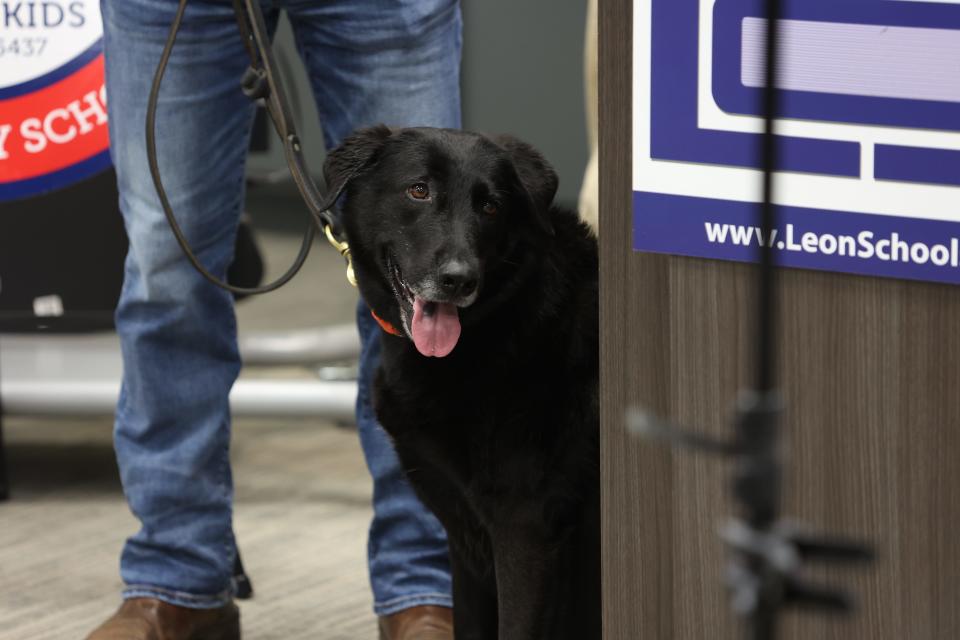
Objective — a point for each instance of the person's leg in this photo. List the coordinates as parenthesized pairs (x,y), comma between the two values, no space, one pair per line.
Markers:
(177,331)
(397,62)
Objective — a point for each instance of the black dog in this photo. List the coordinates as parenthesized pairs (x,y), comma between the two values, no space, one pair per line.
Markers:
(488,380)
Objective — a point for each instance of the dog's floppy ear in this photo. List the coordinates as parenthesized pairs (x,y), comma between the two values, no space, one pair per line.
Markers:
(355,153)
(537,176)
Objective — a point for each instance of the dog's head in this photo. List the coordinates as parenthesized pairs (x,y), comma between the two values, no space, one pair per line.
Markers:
(430,214)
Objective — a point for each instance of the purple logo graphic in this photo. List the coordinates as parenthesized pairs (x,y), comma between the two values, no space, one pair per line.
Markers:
(873,62)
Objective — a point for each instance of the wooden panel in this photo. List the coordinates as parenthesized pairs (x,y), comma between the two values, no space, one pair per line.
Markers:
(871,372)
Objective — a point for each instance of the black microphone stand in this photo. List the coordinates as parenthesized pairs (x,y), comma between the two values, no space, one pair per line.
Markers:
(764,574)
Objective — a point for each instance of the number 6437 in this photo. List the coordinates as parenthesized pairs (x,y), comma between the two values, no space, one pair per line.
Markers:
(22,47)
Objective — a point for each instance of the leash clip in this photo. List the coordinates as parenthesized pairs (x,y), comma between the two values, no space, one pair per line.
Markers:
(255,84)
(344,250)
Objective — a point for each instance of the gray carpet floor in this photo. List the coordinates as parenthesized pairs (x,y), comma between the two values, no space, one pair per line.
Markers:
(301,515)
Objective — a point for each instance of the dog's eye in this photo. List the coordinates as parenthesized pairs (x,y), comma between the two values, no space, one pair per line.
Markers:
(490,207)
(419,191)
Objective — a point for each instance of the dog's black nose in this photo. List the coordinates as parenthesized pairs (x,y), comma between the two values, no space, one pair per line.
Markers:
(458,279)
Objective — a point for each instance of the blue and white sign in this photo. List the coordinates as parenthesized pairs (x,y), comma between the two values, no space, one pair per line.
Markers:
(869,175)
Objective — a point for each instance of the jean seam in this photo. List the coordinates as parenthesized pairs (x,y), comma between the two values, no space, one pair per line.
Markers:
(405,602)
(177,597)
(230,541)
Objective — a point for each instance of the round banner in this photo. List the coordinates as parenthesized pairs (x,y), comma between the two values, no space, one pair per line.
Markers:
(53,104)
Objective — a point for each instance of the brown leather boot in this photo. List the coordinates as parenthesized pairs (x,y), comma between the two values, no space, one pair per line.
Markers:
(425,622)
(152,619)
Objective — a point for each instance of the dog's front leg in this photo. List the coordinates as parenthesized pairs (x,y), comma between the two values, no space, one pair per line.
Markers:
(474,600)
(525,583)
(540,590)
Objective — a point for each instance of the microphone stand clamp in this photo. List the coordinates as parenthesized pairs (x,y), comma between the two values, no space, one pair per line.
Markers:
(764,574)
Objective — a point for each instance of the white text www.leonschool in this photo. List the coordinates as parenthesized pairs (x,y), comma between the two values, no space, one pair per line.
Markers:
(865,245)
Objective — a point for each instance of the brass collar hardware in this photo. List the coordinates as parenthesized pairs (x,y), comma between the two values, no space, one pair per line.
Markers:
(344,249)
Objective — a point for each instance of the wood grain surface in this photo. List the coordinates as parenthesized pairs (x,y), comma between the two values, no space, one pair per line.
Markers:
(870,369)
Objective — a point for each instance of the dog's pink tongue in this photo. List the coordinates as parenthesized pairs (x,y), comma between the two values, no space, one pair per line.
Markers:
(436,327)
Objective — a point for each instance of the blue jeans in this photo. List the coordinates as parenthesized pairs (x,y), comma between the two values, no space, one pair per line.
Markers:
(369,61)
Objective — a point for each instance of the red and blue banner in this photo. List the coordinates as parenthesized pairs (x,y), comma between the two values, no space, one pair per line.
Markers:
(53,115)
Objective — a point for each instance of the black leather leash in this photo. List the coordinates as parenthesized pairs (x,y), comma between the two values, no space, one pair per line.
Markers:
(261,81)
